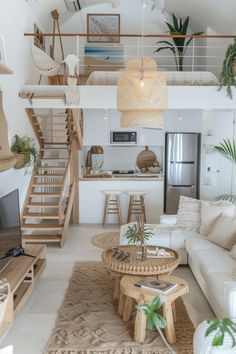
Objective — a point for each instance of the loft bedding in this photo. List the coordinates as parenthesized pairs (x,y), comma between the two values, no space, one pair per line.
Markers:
(173,78)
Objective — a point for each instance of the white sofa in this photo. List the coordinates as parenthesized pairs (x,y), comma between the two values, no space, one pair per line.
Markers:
(211,264)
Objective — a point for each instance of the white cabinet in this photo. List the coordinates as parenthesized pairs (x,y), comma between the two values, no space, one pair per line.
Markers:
(151,137)
(96,128)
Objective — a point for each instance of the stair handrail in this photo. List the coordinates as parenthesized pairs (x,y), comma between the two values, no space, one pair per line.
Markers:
(65,187)
(76,126)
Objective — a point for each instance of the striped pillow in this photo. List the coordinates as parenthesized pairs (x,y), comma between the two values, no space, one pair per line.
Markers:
(188,216)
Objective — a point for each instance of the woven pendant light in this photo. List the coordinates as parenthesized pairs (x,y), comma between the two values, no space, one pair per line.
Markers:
(142,94)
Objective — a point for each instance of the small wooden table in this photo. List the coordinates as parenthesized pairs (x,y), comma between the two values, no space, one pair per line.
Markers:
(135,266)
(130,293)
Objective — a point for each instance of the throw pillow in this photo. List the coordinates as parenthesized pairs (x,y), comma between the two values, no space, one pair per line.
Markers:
(188,216)
(210,211)
(223,232)
(232,253)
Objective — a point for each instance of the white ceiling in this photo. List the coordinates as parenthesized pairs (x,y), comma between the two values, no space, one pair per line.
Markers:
(216,14)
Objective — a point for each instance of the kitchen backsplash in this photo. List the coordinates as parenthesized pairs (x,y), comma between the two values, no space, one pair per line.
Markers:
(122,157)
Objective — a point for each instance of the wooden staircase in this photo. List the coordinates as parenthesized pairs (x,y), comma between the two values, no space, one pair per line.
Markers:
(53,189)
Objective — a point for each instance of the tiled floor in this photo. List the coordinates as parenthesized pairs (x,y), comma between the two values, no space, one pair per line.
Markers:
(34,324)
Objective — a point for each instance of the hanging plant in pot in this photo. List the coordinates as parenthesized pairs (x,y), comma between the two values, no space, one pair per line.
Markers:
(25,152)
(228,72)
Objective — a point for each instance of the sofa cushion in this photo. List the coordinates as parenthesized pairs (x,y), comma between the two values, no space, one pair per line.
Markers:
(223,232)
(217,285)
(210,211)
(179,237)
(188,216)
(214,261)
(199,242)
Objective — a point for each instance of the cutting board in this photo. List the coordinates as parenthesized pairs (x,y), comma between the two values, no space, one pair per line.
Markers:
(145,159)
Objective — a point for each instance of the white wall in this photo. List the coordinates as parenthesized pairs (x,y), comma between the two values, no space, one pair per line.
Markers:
(15,19)
(123,158)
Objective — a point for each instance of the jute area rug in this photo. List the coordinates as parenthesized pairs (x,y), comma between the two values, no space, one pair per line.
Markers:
(88,321)
(106,239)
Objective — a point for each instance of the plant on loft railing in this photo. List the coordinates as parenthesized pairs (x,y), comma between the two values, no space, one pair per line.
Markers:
(179,45)
(229,70)
(228,150)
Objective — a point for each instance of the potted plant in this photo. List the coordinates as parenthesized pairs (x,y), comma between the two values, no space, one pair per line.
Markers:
(180,44)
(155,320)
(25,152)
(228,149)
(229,70)
(217,336)
(139,233)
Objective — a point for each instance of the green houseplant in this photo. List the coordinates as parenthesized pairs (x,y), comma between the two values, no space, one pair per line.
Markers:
(228,70)
(216,336)
(133,234)
(155,320)
(228,149)
(25,152)
(180,44)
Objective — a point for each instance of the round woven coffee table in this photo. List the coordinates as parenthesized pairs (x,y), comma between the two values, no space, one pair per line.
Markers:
(136,266)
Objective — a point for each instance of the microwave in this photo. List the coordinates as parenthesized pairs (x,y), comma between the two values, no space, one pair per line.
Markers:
(129,138)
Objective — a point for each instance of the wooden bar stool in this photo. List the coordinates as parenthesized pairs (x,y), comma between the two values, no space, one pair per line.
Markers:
(112,205)
(136,205)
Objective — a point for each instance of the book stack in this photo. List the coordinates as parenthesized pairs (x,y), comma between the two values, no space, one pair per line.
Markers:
(156,285)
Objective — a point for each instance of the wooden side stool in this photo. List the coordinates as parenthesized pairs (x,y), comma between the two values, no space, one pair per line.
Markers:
(112,205)
(131,293)
(136,205)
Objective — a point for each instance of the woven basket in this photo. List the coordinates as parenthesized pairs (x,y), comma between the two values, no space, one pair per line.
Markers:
(21,161)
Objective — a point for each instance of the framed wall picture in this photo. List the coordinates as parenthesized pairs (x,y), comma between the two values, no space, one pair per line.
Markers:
(103,24)
(103,58)
(39,41)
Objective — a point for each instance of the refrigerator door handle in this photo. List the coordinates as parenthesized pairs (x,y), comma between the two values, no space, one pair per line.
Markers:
(181,186)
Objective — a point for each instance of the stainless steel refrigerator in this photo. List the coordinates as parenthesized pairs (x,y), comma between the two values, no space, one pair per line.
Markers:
(182,168)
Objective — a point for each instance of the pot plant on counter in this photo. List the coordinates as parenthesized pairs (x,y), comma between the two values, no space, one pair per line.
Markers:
(25,152)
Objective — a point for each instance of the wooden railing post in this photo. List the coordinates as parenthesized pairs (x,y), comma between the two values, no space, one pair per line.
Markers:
(75,175)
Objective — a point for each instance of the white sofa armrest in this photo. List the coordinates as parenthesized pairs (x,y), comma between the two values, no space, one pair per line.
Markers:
(168,219)
(230,298)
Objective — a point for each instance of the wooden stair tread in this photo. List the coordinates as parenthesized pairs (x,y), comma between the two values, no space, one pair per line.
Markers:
(55,185)
(58,115)
(51,123)
(40,216)
(54,159)
(44,195)
(51,148)
(46,175)
(42,238)
(41,227)
(42,205)
(52,167)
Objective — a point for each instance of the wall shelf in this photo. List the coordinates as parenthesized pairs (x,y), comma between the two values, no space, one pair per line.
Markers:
(4,70)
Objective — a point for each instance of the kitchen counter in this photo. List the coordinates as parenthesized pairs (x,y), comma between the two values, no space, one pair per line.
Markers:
(92,197)
(123,177)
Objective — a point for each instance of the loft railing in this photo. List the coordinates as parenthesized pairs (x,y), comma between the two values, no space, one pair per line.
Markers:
(205,53)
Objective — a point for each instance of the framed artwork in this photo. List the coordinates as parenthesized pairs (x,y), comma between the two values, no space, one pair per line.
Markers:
(39,41)
(103,58)
(2,51)
(103,24)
